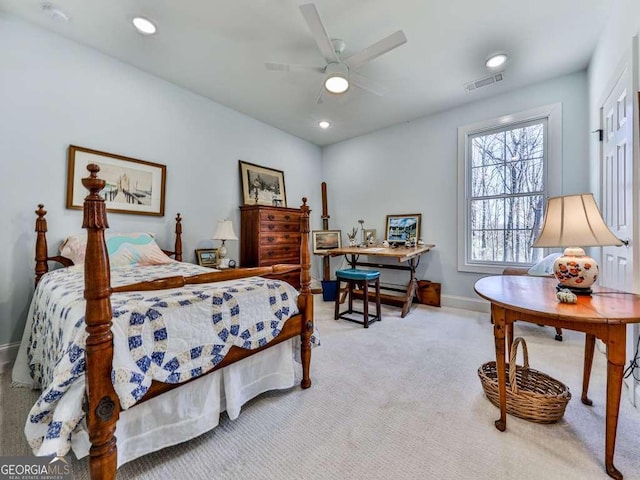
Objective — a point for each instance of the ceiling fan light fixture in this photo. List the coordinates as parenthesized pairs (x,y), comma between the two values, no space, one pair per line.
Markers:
(144,25)
(323,124)
(497,60)
(337,79)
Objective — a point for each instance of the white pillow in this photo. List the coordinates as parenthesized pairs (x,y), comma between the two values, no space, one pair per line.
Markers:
(122,248)
(544,267)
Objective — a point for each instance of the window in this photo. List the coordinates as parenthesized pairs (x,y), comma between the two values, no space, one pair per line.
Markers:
(508,165)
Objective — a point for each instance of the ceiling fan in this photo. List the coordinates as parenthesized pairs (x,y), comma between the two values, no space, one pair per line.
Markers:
(340,74)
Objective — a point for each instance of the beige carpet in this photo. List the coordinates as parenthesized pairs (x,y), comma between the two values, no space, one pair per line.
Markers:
(400,400)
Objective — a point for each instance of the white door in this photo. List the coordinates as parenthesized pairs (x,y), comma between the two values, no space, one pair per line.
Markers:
(618,199)
(617,183)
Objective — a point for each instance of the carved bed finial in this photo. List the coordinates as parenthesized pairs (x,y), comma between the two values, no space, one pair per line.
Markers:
(178,244)
(41,243)
(95,216)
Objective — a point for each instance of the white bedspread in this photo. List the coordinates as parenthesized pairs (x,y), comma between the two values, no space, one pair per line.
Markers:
(170,336)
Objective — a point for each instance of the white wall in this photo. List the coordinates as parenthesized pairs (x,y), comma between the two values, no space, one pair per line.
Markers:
(412,168)
(54,92)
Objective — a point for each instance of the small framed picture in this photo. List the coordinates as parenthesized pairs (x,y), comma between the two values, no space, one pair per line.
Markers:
(324,240)
(402,228)
(370,236)
(207,257)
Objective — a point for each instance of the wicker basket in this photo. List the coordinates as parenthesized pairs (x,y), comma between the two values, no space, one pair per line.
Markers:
(531,394)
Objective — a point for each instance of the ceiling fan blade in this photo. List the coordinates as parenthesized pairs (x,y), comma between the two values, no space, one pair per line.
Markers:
(367,84)
(319,99)
(379,48)
(286,67)
(311,16)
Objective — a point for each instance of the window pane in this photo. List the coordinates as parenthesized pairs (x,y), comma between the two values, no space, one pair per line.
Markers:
(525,176)
(487,149)
(487,214)
(524,212)
(487,181)
(518,247)
(487,245)
(524,143)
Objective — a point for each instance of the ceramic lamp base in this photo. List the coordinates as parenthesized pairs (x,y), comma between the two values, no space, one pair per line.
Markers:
(222,251)
(576,271)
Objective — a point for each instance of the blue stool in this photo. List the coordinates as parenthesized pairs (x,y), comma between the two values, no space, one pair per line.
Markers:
(355,276)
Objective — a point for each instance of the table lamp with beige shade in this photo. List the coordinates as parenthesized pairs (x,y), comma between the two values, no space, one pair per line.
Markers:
(224,231)
(573,222)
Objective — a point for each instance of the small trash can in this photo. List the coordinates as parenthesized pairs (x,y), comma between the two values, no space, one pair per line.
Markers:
(329,288)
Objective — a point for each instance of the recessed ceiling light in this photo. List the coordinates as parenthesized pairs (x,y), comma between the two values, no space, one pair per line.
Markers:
(495,61)
(144,25)
(324,124)
(54,12)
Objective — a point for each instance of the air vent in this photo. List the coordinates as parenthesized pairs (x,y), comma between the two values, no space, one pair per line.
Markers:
(483,82)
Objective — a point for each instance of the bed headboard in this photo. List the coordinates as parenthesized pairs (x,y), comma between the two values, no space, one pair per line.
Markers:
(42,256)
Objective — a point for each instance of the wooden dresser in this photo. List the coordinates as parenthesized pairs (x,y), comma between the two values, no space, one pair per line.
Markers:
(268,236)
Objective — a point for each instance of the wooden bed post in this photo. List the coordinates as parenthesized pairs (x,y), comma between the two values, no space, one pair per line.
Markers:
(42,266)
(305,299)
(178,245)
(102,406)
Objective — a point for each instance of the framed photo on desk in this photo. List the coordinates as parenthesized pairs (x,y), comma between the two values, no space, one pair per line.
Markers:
(401,228)
(324,240)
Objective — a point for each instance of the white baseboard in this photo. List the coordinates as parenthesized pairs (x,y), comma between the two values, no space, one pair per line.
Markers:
(476,305)
(8,353)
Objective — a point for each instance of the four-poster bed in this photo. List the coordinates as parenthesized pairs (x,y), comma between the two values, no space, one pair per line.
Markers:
(113,384)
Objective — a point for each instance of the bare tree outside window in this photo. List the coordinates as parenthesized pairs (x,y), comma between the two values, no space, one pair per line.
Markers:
(506,193)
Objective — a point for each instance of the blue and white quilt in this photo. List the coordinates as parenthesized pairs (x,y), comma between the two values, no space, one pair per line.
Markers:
(170,336)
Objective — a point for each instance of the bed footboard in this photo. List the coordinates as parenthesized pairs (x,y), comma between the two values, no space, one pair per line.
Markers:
(102,406)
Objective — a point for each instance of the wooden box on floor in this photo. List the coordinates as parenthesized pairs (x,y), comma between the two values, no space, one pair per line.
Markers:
(428,293)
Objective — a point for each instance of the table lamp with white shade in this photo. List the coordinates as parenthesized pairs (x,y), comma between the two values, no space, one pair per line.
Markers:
(573,222)
(224,231)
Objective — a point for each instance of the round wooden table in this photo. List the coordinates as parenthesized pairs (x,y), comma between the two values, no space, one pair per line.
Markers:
(603,315)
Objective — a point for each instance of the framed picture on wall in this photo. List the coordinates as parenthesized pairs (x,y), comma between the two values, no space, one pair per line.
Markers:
(401,228)
(132,185)
(262,185)
(324,240)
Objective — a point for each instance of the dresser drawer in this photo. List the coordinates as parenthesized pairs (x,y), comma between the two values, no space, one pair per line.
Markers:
(280,238)
(273,256)
(279,227)
(275,216)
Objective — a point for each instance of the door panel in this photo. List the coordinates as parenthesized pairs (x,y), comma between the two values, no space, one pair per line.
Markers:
(618,196)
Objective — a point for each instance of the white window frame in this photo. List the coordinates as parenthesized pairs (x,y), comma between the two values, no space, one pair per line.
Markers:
(552,172)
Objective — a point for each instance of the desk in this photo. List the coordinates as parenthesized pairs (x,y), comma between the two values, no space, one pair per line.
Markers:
(604,315)
(410,255)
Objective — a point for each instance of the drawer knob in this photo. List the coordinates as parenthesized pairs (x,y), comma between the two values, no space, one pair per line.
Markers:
(287,226)
(271,217)
(287,217)
(286,236)
(271,239)
(286,249)
(269,253)
(271,226)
